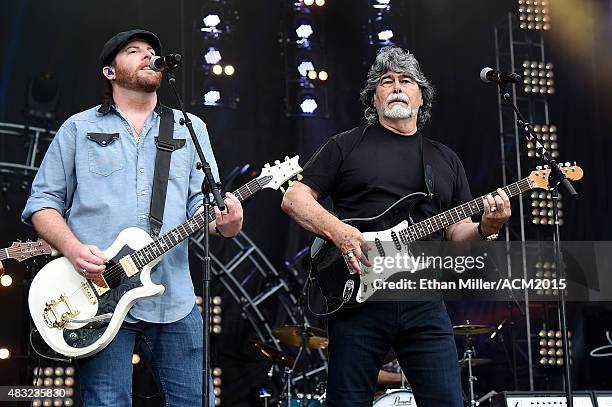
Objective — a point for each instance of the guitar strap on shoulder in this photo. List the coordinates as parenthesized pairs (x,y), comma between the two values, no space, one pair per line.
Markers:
(165,146)
(427,168)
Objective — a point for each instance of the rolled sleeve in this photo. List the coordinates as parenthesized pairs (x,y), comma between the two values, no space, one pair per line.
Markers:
(55,180)
(197,176)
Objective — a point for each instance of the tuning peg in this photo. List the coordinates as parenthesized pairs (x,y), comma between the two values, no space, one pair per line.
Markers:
(574,163)
(538,167)
(276,162)
(299,177)
(290,182)
(286,158)
(267,165)
(282,189)
(567,164)
(546,167)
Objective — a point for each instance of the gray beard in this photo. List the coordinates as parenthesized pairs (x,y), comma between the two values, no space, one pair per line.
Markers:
(398,112)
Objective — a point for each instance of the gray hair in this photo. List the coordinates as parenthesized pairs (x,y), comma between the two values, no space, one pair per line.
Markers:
(396,59)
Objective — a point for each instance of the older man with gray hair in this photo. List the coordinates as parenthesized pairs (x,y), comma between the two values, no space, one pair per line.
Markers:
(366,170)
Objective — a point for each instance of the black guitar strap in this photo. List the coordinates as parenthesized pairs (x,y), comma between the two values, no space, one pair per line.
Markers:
(165,146)
(427,169)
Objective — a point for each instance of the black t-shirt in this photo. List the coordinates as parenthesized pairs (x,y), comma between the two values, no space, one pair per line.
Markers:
(367,169)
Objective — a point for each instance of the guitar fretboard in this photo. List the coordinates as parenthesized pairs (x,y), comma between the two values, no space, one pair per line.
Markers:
(440,221)
(173,237)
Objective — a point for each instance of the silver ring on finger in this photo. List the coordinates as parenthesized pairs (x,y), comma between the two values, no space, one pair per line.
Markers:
(83,272)
(493,209)
(349,256)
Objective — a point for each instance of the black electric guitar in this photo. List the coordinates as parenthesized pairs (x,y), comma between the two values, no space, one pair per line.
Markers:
(341,288)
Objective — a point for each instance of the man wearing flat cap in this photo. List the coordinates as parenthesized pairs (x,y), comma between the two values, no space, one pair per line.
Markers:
(96,180)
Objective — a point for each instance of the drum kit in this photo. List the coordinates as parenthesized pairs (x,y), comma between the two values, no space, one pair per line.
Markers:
(314,338)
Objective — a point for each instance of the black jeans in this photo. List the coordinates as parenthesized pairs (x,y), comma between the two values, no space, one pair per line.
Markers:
(422,337)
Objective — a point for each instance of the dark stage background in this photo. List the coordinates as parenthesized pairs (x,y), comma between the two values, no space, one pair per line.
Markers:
(453,41)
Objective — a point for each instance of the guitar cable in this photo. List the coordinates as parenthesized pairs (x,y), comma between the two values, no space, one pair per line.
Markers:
(40,355)
(326,303)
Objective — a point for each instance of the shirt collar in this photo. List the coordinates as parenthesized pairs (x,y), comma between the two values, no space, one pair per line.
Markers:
(108,105)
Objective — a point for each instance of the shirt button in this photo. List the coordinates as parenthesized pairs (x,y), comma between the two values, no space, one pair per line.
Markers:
(143,193)
(144,216)
(141,170)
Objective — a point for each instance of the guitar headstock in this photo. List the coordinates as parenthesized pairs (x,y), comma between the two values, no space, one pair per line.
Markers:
(539,177)
(275,176)
(21,251)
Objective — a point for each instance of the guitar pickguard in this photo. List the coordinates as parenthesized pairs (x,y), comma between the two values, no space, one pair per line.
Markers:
(119,284)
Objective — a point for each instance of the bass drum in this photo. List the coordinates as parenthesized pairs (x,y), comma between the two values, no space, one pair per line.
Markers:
(396,397)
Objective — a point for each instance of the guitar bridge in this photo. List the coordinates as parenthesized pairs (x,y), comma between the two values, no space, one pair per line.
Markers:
(59,312)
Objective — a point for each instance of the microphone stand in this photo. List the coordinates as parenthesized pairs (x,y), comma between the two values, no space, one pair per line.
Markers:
(556,177)
(209,185)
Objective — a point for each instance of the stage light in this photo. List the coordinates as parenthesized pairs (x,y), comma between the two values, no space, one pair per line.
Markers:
(308,105)
(312,75)
(304,31)
(212,97)
(547,134)
(308,2)
(5,353)
(211,20)
(212,56)
(538,77)
(229,70)
(217,69)
(135,359)
(533,15)
(381,4)
(216,374)
(551,350)
(323,75)
(215,317)
(304,67)
(6,280)
(320,3)
(385,35)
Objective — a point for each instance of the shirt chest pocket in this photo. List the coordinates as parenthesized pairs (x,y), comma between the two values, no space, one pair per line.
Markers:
(179,160)
(105,154)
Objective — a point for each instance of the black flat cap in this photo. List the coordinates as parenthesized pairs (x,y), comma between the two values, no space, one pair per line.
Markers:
(114,45)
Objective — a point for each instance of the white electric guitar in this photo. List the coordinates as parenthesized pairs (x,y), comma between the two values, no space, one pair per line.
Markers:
(78,317)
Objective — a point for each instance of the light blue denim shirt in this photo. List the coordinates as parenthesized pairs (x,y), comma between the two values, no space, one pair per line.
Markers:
(102,188)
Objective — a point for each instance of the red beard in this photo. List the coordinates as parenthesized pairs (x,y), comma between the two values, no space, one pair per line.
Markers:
(137,80)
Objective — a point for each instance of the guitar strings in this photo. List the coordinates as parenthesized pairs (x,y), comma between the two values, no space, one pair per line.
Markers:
(242,193)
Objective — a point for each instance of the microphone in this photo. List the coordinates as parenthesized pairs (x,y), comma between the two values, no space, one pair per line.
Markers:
(159,63)
(489,75)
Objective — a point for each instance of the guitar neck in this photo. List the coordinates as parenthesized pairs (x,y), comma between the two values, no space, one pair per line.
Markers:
(442,220)
(4,254)
(173,237)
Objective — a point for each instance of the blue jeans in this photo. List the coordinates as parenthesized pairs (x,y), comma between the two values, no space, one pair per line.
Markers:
(422,337)
(173,350)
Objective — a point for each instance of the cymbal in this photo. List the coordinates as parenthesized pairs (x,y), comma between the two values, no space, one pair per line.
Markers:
(275,356)
(472,329)
(475,362)
(292,335)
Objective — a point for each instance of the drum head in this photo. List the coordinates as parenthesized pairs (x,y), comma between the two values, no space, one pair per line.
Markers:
(396,397)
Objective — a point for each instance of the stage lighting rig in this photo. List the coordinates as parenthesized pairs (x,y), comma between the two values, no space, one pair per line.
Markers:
(534,15)
(215,70)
